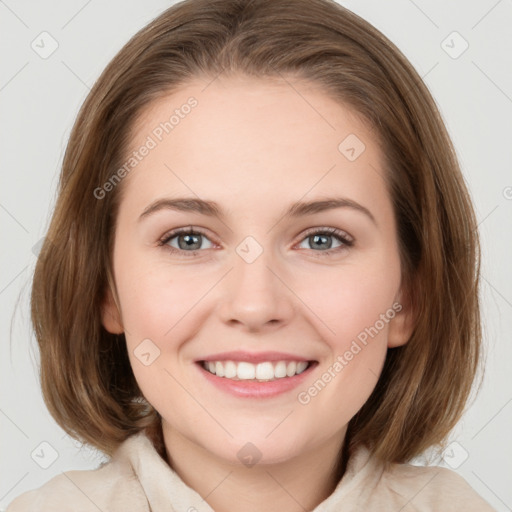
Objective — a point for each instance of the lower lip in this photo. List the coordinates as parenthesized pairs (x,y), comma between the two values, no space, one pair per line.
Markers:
(255,389)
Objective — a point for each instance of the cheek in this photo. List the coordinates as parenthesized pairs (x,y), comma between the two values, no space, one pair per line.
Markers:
(355,307)
(156,306)
(154,297)
(358,307)
(350,299)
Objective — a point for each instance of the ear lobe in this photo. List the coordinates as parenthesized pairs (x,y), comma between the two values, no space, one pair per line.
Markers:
(401,326)
(110,314)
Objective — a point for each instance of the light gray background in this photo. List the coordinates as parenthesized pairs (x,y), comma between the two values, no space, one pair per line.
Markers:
(39,102)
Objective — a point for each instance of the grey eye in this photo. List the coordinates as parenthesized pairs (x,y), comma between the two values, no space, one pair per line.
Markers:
(188,241)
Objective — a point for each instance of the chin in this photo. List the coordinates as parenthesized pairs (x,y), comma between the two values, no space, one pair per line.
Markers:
(248,450)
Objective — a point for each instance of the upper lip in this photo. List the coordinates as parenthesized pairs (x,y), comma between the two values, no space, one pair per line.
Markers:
(254,357)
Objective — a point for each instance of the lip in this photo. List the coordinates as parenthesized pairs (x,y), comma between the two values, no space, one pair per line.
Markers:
(253,357)
(253,389)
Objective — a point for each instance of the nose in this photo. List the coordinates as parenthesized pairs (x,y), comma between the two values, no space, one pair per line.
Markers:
(256,296)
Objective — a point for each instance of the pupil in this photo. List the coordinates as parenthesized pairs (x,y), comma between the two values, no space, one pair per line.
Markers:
(190,240)
(322,239)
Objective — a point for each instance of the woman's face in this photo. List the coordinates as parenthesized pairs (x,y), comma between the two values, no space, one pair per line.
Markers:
(269,322)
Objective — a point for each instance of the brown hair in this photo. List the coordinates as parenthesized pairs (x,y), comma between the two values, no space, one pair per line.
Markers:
(87,381)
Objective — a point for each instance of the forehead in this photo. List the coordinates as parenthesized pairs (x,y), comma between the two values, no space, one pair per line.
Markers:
(253,139)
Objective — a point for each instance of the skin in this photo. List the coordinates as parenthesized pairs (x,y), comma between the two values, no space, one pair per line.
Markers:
(255,147)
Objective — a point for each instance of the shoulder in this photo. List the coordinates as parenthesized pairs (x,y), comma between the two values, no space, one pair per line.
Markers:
(429,488)
(113,487)
(373,485)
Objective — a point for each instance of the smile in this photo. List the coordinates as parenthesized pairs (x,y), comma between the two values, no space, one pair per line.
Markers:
(262,372)
(251,375)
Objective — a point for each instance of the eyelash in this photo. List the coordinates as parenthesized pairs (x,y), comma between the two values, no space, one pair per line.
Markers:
(342,237)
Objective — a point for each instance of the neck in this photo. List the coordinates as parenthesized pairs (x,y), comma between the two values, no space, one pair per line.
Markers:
(294,485)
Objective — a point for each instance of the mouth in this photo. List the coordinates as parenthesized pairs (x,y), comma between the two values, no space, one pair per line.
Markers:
(266,371)
(264,375)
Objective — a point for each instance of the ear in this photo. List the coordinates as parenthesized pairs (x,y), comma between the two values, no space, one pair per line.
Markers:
(110,314)
(401,326)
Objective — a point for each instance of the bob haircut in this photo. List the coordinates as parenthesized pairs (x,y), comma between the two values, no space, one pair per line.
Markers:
(87,382)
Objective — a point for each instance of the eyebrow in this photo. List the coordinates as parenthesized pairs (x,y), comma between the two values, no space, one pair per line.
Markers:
(212,209)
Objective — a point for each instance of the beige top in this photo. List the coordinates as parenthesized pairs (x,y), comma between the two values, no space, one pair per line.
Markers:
(137,479)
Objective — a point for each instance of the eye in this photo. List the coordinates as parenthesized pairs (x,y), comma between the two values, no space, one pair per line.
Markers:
(323,241)
(327,240)
(185,240)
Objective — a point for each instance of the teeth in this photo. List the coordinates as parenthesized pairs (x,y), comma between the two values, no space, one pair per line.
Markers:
(262,371)
(280,370)
(244,371)
(219,369)
(230,370)
(290,369)
(301,366)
